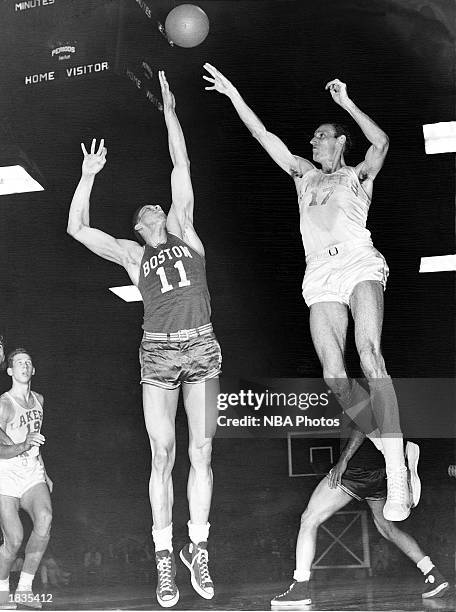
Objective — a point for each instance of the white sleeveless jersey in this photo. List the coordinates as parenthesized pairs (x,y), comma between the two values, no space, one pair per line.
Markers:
(23,421)
(333,208)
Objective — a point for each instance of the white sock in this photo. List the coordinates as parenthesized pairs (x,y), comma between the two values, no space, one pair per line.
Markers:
(198,533)
(425,565)
(393,451)
(25,582)
(163,538)
(4,584)
(301,576)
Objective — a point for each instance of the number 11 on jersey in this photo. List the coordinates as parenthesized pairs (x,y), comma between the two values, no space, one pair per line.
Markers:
(165,285)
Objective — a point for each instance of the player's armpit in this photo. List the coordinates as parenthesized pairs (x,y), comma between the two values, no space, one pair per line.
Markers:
(191,238)
(373,162)
(104,245)
(303,166)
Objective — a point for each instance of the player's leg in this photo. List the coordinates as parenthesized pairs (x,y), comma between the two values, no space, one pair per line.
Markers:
(200,401)
(328,328)
(160,407)
(366,303)
(37,503)
(323,503)
(12,539)
(436,584)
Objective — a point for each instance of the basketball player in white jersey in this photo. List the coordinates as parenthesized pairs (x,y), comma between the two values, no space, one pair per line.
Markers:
(178,348)
(24,483)
(344,272)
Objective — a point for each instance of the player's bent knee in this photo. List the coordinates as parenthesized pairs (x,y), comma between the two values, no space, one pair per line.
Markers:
(43,522)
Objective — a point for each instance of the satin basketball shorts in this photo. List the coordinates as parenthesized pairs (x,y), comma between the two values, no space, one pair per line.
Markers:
(168,363)
(332,274)
(363,484)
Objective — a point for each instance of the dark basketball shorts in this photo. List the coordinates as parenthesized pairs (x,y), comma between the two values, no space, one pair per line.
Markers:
(364,484)
(332,274)
(167,364)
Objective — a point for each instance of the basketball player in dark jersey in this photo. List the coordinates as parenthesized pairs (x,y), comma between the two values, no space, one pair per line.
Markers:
(359,474)
(178,348)
(24,483)
(344,272)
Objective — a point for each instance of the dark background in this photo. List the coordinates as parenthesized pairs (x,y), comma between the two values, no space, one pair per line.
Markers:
(397,59)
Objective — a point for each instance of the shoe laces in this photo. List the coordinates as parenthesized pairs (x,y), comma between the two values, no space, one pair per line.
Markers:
(202,559)
(164,567)
(398,487)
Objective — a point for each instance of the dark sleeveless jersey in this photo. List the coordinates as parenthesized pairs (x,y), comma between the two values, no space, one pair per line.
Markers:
(172,282)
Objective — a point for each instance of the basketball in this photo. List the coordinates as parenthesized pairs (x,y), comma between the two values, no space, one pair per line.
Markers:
(187,25)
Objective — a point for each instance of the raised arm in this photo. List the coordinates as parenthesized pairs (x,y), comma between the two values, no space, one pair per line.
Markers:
(354,442)
(293,164)
(375,156)
(122,252)
(8,448)
(180,216)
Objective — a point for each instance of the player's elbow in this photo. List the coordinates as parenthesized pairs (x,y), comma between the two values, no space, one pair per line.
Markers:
(383,144)
(181,161)
(74,229)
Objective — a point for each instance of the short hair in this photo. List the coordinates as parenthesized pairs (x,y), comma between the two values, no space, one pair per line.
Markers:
(134,221)
(17,351)
(342,130)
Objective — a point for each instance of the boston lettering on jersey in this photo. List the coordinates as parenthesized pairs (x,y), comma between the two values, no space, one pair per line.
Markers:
(156,260)
(172,282)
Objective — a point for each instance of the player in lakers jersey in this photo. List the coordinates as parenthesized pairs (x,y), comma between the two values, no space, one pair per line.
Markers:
(178,349)
(344,272)
(23,480)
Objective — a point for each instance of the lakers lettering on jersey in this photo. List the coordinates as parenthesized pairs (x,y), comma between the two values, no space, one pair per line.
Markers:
(172,282)
(333,208)
(24,421)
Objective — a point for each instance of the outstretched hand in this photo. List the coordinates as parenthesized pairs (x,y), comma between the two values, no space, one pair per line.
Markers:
(219,82)
(95,160)
(338,91)
(167,95)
